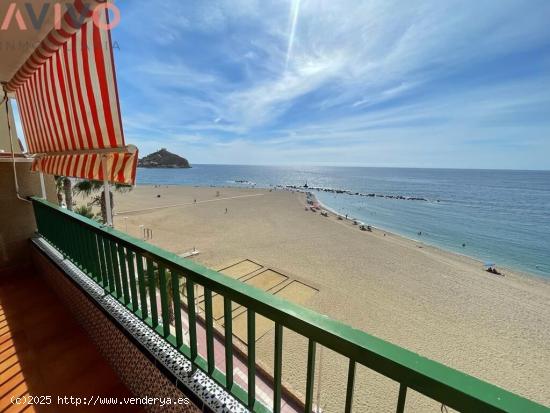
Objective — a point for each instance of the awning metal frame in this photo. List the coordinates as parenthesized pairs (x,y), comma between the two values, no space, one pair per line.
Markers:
(104,151)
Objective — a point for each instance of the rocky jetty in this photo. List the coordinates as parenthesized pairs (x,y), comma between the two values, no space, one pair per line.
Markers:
(163,159)
(347,192)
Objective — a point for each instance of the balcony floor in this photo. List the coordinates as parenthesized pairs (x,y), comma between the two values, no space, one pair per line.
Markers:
(43,351)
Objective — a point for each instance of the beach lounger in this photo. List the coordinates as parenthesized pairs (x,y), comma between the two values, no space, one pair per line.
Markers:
(189,254)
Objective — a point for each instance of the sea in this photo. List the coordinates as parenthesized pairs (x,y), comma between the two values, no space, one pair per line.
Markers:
(495,216)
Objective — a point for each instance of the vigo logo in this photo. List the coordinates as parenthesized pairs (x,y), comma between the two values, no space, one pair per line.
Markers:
(36,18)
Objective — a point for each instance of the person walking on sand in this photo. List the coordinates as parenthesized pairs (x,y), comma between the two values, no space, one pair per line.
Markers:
(226,210)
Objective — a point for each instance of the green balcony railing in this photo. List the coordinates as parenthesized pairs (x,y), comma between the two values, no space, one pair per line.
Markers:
(133,271)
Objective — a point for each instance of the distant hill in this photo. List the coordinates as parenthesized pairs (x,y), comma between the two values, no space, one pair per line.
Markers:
(163,159)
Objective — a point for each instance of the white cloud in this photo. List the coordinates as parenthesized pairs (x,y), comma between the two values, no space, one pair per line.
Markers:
(346,71)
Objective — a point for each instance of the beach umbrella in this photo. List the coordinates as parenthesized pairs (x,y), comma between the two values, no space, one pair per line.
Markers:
(489,264)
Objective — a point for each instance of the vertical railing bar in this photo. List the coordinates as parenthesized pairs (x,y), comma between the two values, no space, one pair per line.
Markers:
(116,270)
(108,273)
(83,241)
(62,244)
(98,257)
(48,223)
(82,247)
(164,301)
(53,235)
(57,241)
(95,257)
(101,261)
(77,259)
(132,276)
(123,274)
(59,246)
(251,340)
(44,215)
(37,215)
(110,266)
(142,287)
(401,399)
(45,218)
(209,331)
(228,321)
(42,221)
(73,236)
(90,251)
(192,318)
(319,380)
(101,258)
(350,386)
(151,278)
(310,379)
(49,219)
(90,254)
(177,308)
(278,368)
(43,226)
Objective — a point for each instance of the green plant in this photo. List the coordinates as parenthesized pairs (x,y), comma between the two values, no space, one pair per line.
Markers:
(85,211)
(95,190)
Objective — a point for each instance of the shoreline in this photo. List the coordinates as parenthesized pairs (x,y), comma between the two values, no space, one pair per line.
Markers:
(506,269)
(489,225)
(442,249)
(280,188)
(334,212)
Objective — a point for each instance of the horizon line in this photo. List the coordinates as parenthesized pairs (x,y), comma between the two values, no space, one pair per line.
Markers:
(360,166)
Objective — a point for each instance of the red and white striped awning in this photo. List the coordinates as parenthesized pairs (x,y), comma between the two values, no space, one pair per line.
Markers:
(68,100)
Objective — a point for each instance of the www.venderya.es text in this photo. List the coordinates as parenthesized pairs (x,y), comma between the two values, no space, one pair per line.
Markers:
(95,400)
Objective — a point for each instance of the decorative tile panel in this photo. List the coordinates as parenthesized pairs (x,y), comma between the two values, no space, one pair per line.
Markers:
(144,361)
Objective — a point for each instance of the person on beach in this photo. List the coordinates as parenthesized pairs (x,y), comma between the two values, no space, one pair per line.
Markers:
(493,270)
(226,210)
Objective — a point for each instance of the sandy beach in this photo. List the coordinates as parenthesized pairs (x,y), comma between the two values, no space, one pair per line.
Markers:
(438,304)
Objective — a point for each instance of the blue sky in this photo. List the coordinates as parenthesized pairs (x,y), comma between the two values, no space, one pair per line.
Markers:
(461,84)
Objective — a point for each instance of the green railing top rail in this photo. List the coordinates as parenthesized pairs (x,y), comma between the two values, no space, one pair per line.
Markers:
(435,380)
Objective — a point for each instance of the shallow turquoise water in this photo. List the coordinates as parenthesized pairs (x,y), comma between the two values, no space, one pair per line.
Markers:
(501,216)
